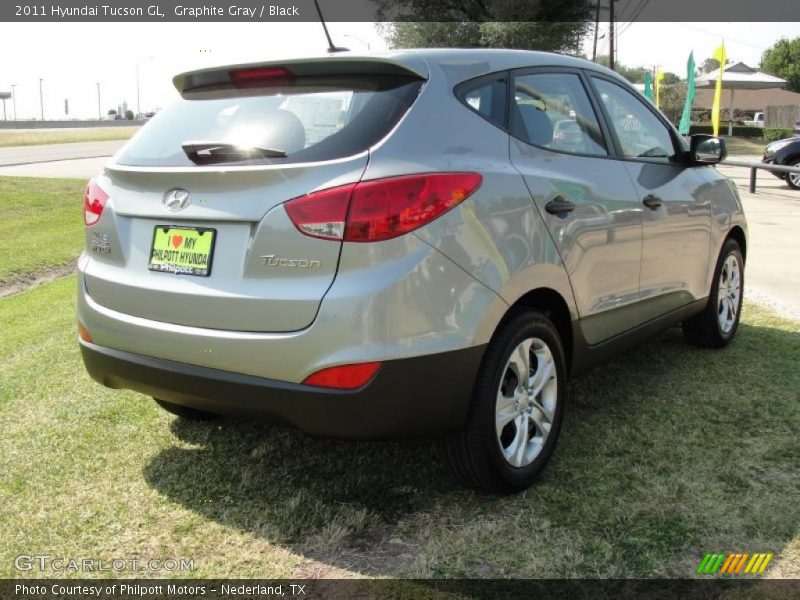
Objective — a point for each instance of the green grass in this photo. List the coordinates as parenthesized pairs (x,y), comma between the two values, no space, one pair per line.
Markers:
(738,146)
(41,225)
(667,453)
(36,137)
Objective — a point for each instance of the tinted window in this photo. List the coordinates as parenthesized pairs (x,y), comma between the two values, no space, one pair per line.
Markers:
(487,98)
(311,120)
(641,134)
(553,110)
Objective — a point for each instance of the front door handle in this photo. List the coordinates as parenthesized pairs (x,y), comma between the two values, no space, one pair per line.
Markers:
(651,201)
(559,206)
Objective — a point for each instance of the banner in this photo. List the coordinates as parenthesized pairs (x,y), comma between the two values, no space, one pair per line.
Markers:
(719,54)
(648,86)
(686,117)
(659,79)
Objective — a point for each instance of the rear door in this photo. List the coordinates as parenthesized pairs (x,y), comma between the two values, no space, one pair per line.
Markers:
(205,181)
(676,207)
(583,193)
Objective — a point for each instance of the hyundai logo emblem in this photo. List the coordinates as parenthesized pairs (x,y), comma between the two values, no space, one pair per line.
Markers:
(176,200)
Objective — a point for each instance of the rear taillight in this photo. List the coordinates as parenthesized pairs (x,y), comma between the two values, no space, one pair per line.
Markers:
(261,77)
(344,377)
(381,209)
(94,201)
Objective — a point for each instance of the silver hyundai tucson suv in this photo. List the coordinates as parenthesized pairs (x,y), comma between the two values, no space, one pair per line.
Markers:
(415,243)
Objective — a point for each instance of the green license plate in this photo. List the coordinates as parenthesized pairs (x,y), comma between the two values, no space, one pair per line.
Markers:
(182,250)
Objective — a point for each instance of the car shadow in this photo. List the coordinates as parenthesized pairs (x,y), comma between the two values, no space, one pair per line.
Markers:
(353,505)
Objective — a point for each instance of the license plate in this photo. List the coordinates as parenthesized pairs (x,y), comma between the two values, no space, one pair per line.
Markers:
(182,250)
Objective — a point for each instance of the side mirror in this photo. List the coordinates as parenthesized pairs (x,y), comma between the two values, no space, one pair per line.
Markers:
(707,149)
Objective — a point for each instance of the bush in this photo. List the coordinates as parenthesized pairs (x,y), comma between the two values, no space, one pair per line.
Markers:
(129,115)
(777,133)
(738,130)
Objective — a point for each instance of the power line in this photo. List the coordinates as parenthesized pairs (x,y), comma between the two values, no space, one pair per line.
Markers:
(717,35)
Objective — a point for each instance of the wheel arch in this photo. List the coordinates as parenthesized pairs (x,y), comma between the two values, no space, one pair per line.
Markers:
(555,307)
(737,234)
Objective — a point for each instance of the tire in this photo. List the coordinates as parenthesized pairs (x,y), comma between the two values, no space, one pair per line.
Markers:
(503,459)
(714,328)
(793,179)
(186,412)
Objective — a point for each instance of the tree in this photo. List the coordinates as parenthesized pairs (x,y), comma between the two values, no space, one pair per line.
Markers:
(551,25)
(783,60)
(632,74)
(111,111)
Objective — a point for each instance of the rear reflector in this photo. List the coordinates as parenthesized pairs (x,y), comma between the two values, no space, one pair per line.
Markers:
(261,77)
(381,209)
(83,334)
(344,377)
(94,201)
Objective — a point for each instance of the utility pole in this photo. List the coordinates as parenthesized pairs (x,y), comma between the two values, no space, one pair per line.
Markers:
(611,27)
(596,30)
(99,113)
(41,98)
(14,100)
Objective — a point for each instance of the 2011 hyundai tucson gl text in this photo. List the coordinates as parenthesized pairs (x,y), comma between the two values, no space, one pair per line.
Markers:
(413,243)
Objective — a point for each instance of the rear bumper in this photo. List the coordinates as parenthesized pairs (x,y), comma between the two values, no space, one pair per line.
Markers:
(411,397)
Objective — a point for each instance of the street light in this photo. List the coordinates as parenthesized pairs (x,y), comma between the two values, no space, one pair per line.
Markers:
(41,97)
(14,100)
(99,113)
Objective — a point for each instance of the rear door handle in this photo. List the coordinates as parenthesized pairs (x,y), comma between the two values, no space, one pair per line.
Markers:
(651,201)
(559,206)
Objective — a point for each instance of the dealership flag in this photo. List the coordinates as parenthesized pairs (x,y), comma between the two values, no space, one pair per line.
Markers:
(659,79)
(719,54)
(686,118)
(648,86)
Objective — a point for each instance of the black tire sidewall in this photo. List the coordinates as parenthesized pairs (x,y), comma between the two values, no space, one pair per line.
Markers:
(730,247)
(527,325)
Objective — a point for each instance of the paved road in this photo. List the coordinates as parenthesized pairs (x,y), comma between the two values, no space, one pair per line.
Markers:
(81,160)
(24,155)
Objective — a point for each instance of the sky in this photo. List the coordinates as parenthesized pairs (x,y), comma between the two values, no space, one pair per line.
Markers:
(77,56)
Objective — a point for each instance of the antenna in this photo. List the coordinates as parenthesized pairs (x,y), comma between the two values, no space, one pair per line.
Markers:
(331,47)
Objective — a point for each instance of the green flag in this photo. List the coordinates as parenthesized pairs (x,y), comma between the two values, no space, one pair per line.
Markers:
(686,118)
(648,86)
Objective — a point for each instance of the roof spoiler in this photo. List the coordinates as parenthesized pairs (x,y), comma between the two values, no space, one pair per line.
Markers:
(232,76)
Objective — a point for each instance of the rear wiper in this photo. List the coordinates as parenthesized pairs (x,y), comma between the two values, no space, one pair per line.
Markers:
(202,153)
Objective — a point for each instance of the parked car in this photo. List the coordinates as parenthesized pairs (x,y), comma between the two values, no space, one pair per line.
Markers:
(785,152)
(757,121)
(432,261)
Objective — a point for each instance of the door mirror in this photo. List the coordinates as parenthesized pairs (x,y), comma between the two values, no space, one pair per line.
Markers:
(707,150)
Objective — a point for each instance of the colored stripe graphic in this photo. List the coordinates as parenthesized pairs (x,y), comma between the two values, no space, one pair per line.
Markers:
(735,563)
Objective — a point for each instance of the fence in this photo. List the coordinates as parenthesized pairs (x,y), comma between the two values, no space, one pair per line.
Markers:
(782,116)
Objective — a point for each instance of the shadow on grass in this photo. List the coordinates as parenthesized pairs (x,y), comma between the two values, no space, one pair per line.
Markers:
(664,455)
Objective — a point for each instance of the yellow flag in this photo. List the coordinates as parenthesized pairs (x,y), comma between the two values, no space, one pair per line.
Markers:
(659,79)
(719,54)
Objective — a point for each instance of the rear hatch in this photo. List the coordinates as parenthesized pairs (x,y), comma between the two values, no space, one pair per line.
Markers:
(194,231)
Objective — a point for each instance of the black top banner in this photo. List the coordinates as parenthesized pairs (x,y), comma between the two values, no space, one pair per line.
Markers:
(386,10)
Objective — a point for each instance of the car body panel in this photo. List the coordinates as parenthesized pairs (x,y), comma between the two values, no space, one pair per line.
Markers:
(620,269)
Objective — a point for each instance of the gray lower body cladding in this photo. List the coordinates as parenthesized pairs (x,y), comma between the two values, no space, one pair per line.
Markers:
(409,397)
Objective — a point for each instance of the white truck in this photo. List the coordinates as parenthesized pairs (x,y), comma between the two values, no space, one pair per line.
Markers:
(758,120)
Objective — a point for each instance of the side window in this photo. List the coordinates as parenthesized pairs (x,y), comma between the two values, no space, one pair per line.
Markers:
(640,133)
(552,110)
(487,97)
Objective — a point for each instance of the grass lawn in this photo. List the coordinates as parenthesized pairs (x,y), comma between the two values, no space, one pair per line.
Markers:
(739,146)
(41,225)
(36,137)
(667,453)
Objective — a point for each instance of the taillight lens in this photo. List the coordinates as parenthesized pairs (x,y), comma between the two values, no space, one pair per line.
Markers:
(261,77)
(321,214)
(344,377)
(381,209)
(94,201)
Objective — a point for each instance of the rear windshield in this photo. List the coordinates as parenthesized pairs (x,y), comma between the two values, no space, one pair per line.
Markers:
(314,119)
